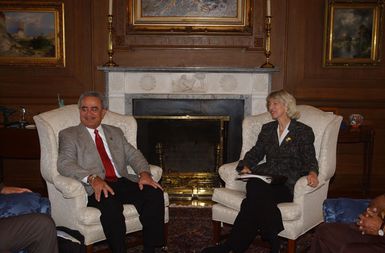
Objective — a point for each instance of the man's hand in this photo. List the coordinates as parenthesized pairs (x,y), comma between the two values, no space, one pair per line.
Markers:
(99,186)
(11,189)
(312,179)
(378,203)
(369,222)
(146,179)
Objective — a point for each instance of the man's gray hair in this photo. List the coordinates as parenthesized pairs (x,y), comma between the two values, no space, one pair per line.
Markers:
(93,94)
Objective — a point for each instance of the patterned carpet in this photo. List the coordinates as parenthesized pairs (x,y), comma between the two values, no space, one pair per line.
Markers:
(190,230)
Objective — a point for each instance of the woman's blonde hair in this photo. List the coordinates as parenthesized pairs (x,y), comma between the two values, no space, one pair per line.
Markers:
(287,99)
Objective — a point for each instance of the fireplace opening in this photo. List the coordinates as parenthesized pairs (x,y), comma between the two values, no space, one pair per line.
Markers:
(189,139)
(185,143)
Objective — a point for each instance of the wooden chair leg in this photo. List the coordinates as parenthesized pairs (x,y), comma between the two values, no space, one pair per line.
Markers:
(291,246)
(216,232)
(89,248)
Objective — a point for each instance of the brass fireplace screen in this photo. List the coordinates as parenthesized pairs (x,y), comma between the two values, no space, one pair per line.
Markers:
(190,149)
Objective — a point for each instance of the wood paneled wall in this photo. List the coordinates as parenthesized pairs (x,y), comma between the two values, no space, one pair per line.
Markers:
(297,47)
(36,88)
(348,90)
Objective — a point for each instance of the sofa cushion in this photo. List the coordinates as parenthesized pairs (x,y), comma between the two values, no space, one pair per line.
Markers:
(23,203)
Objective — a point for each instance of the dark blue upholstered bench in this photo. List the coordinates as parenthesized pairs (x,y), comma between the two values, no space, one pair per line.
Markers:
(344,210)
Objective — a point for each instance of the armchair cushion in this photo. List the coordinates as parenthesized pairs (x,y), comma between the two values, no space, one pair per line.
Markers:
(233,199)
(228,197)
(23,203)
(344,210)
(91,215)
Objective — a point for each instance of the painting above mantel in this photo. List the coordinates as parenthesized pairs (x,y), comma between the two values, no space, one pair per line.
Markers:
(189,24)
(186,15)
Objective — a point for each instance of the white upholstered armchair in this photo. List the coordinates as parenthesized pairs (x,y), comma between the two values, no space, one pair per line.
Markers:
(68,196)
(305,212)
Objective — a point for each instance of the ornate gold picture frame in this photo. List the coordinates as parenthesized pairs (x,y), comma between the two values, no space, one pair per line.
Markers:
(189,16)
(352,33)
(32,33)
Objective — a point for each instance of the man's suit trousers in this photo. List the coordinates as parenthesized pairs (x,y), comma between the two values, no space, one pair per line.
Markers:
(149,203)
(345,238)
(35,232)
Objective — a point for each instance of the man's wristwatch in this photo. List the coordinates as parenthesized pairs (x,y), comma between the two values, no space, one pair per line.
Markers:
(381,231)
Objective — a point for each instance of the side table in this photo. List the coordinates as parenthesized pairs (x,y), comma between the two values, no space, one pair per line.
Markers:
(18,144)
(364,135)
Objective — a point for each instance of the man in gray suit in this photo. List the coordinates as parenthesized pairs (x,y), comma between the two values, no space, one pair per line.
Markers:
(98,155)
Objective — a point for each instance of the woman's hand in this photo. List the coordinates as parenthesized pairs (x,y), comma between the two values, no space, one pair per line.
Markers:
(245,170)
(312,179)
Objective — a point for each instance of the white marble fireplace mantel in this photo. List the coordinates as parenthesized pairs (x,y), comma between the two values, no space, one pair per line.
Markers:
(127,83)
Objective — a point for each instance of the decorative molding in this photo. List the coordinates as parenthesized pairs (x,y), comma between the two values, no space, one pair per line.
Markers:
(125,83)
(147,82)
(228,83)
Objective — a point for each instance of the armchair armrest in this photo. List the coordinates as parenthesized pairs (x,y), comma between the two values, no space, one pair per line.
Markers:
(227,171)
(301,188)
(156,172)
(228,174)
(69,187)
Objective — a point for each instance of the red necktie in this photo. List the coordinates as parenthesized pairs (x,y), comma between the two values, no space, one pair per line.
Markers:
(109,168)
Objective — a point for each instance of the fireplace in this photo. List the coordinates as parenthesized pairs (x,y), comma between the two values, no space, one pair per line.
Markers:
(189,149)
(203,101)
(189,139)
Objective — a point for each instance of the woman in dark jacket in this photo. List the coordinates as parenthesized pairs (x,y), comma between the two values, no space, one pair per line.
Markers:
(289,150)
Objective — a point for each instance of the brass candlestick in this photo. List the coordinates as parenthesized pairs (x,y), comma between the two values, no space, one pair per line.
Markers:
(110,50)
(267,64)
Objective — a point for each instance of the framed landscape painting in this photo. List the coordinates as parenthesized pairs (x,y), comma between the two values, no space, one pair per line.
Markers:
(187,15)
(352,33)
(32,33)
